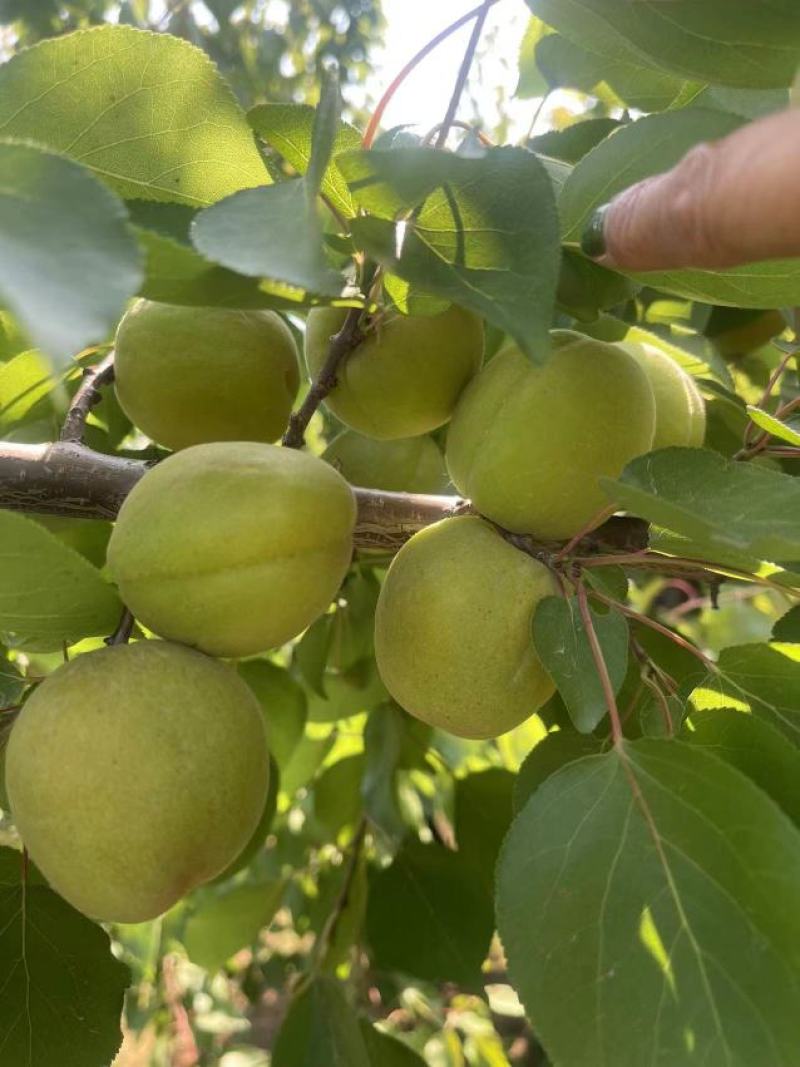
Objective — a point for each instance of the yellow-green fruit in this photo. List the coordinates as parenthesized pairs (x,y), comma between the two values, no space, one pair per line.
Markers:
(680,410)
(187,375)
(233,547)
(406,375)
(136,773)
(407,464)
(528,444)
(453,629)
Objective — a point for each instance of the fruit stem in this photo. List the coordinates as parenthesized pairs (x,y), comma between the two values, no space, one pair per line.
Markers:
(478,12)
(87,395)
(341,345)
(600,664)
(122,634)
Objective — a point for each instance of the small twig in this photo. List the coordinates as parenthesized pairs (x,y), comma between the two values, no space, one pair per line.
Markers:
(536,115)
(122,634)
(463,73)
(645,620)
(87,395)
(600,664)
(397,81)
(341,345)
(749,446)
(328,931)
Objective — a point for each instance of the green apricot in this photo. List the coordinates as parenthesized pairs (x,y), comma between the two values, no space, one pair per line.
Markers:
(453,629)
(136,773)
(405,465)
(233,547)
(187,375)
(680,410)
(528,444)
(406,375)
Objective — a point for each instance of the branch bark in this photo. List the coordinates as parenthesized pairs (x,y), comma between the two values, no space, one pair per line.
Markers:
(70,479)
(87,395)
(341,345)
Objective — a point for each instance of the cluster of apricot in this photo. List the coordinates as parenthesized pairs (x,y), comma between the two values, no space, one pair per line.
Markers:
(137,772)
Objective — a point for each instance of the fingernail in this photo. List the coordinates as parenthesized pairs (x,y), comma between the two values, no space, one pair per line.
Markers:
(593,239)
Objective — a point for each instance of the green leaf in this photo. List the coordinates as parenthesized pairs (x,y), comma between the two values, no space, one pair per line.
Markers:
(347,692)
(483,811)
(762,679)
(68,263)
(585,288)
(428,916)
(531,83)
(320,1028)
(755,748)
(337,795)
(749,103)
(226,921)
(562,644)
(24,381)
(732,42)
(327,118)
(12,683)
(386,1051)
(62,988)
(271,232)
(149,113)
(392,741)
(565,64)
(48,592)
(787,628)
(288,128)
(774,426)
(485,236)
(310,654)
(175,273)
(701,495)
(649,146)
(552,753)
(647,907)
(283,703)
(573,142)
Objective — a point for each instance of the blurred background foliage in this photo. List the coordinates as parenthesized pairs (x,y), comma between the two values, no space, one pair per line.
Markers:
(267,50)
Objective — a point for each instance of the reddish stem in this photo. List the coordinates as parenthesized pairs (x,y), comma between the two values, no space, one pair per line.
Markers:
(600,664)
(377,115)
(664,630)
(596,520)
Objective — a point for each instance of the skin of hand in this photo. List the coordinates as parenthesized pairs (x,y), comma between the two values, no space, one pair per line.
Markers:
(726,203)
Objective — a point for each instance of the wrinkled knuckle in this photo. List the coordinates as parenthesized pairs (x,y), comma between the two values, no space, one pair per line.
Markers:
(693,204)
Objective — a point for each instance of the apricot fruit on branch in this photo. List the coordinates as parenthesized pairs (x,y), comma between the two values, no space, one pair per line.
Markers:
(407,464)
(680,410)
(528,443)
(187,375)
(136,773)
(233,547)
(453,629)
(405,377)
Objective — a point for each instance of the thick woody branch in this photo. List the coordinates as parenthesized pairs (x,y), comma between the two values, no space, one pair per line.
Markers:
(70,479)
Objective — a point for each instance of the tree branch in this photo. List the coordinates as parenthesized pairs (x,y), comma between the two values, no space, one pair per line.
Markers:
(341,345)
(87,395)
(70,479)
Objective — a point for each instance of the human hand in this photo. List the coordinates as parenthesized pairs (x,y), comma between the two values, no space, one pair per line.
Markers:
(726,203)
